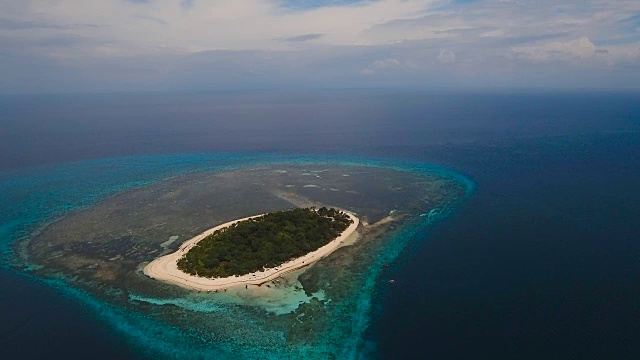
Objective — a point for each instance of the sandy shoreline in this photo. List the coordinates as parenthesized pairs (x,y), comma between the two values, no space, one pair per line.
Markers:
(165,268)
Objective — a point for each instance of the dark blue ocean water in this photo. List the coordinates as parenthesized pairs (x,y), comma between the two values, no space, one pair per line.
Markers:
(542,262)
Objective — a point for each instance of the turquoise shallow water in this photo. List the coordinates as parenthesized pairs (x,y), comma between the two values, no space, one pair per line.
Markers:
(30,198)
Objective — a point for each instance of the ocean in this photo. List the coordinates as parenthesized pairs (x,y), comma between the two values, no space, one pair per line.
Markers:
(540,262)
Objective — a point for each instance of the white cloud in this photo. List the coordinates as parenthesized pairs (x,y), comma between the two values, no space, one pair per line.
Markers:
(386,64)
(381,65)
(446,56)
(484,41)
(367,71)
(222,24)
(559,50)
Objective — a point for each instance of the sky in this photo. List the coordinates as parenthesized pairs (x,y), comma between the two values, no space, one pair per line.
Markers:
(87,46)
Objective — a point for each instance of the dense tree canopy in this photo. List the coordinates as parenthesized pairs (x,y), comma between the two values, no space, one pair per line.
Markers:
(263,242)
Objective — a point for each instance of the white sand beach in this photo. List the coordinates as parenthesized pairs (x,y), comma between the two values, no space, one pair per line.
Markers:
(165,268)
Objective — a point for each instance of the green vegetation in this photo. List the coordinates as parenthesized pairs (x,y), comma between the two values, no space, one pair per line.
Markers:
(264,242)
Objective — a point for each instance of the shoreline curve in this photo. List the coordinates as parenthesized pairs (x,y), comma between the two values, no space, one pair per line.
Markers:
(165,268)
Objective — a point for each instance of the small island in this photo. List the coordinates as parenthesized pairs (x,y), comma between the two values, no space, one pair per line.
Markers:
(254,250)
(263,242)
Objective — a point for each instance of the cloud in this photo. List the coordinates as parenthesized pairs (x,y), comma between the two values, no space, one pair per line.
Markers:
(301,38)
(446,56)
(216,25)
(367,71)
(386,64)
(559,50)
(13,25)
(381,65)
(152,19)
(162,43)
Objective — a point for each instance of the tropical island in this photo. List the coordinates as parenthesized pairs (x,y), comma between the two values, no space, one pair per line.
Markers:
(254,250)
(263,242)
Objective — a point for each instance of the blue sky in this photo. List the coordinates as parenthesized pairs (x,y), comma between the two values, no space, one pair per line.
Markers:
(156,45)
